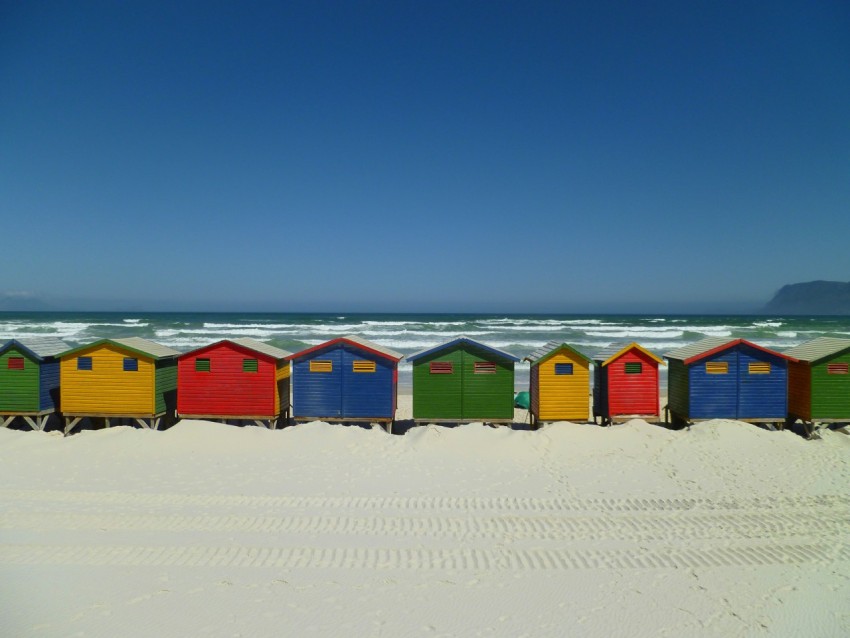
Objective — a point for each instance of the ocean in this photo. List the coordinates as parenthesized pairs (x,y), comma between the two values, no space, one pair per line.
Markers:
(408,333)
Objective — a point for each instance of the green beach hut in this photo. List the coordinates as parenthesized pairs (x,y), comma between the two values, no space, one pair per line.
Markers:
(29,380)
(819,380)
(461,381)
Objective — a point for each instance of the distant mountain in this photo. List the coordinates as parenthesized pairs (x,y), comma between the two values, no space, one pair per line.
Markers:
(811,298)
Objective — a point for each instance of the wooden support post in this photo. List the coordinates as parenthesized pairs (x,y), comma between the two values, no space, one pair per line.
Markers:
(389,427)
(33,424)
(70,423)
(6,421)
(155,423)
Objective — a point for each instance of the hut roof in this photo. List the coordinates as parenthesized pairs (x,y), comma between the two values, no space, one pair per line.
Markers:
(141,346)
(544,352)
(616,350)
(352,339)
(38,347)
(818,349)
(710,345)
(459,340)
(249,344)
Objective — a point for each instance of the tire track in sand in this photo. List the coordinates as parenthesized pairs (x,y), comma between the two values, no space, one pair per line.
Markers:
(423,559)
(655,527)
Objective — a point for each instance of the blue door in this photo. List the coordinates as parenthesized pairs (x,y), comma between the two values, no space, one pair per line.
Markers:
(317,385)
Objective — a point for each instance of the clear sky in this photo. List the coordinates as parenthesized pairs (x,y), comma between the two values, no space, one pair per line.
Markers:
(428,155)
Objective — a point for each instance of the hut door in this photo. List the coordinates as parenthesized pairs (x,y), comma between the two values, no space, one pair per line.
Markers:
(761,387)
(487,392)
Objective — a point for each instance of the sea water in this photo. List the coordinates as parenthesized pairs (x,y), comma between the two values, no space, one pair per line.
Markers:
(408,333)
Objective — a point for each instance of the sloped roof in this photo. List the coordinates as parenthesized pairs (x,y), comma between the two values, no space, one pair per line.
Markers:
(616,350)
(711,345)
(38,347)
(141,346)
(249,344)
(462,340)
(354,340)
(551,348)
(818,349)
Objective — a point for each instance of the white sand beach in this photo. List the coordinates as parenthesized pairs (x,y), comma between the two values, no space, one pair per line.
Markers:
(324,530)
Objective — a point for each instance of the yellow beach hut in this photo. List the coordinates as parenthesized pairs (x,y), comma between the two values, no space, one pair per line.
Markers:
(559,383)
(119,379)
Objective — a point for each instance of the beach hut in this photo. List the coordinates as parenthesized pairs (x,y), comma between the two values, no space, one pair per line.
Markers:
(238,379)
(463,381)
(625,383)
(819,380)
(129,378)
(559,383)
(29,380)
(347,379)
(719,378)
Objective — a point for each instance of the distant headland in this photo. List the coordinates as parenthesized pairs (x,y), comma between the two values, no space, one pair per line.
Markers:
(811,298)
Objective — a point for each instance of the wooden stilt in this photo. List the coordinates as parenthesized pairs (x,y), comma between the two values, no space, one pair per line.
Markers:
(33,424)
(70,423)
(6,421)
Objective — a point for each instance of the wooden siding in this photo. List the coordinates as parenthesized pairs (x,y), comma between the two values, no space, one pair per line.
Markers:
(438,396)
(534,391)
(107,388)
(632,393)
(739,394)
(317,394)
(227,390)
(166,385)
(830,392)
(367,394)
(678,388)
(343,393)
(562,397)
(19,389)
(487,396)
(48,385)
(600,391)
(800,389)
(762,396)
(282,376)
(714,396)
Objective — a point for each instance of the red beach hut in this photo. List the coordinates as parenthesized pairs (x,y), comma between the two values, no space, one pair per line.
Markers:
(239,380)
(625,383)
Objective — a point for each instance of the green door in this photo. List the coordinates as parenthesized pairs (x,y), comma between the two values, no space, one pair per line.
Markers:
(437,386)
(488,386)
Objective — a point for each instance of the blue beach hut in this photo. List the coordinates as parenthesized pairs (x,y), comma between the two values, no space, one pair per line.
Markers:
(29,380)
(718,378)
(345,379)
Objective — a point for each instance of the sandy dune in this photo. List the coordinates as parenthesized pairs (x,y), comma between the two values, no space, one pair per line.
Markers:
(324,530)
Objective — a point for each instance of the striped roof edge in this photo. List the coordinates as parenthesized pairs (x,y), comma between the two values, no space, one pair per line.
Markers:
(616,350)
(711,345)
(818,349)
(248,343)
(144,347)
(38,347)
(354,340)
(550,349)
(462,339)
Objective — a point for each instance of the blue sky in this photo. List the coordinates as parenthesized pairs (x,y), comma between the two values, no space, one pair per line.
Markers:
(446,156)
